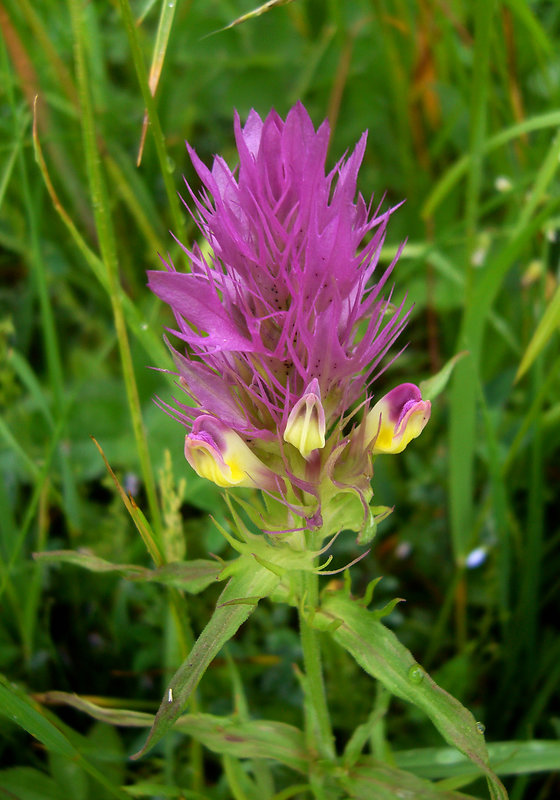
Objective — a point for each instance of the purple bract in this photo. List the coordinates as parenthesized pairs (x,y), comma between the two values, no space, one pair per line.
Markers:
(285,295)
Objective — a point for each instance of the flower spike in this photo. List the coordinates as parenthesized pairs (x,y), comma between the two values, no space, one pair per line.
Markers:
(282,320)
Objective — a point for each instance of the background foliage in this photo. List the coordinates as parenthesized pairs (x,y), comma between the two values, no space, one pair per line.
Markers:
(462,105)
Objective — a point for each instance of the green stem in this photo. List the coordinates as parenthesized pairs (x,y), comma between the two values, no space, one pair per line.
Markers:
(319,732)
(149,102)
(462,422)
(106,234)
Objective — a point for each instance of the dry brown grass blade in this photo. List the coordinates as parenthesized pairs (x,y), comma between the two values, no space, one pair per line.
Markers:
(160,48)
(136,515)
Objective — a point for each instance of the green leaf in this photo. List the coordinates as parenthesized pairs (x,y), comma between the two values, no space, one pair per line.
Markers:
(108,754)
(382,782)
(190,576)
(160,48)
(435,385)
(90,562)
(545,329)
(249,581)
(152,789)
(16,706)
(506,758)
(378,651)
(551,119)
(113,716)
(69,776)
(226,735)
(26,783)
(248,739)
(255,12)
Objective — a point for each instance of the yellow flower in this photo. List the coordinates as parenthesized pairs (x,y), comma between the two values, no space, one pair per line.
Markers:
(305,428)
(217,453)
(396,419)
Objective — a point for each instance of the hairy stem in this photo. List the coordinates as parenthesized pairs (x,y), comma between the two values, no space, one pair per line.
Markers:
(319,732)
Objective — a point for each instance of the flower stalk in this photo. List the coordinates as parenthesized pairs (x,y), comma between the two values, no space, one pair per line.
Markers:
(283,323)
(319,730)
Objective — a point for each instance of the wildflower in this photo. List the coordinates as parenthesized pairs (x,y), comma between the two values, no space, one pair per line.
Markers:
(219,454)
(305,428)
(283,320)
(396,419)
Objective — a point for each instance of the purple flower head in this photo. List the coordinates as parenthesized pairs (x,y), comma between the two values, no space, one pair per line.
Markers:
(282,316)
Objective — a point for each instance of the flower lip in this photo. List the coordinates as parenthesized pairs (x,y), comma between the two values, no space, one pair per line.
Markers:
(305,428)
(400,416)
(218,453)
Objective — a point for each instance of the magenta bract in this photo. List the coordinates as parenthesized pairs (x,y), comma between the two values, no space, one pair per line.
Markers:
(283,316)
(289,280)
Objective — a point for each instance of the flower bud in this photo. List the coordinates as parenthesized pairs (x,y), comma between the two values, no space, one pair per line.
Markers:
(396,419)
(305,428)
(217,453)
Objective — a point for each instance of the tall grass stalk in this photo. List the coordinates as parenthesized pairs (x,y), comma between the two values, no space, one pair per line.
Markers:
(107,243)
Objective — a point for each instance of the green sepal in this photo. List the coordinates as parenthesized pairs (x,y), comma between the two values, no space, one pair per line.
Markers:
(379,652)
(344,510)
(368,594)
(269,565)
(387,608)
(368,531)
(249,582)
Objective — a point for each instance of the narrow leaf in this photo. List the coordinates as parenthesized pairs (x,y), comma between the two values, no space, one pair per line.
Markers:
(435,385)
(17,707)
(506,758)
(90,562)
(225,735)
(190,576)
(545,329)
(378,651)
(551,119)
(382,782)
(138,518)
(256,12)
(249,581)
(26,783)
(160,47)
(248,739)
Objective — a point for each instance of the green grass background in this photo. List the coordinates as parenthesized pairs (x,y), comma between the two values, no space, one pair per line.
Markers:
(462,103)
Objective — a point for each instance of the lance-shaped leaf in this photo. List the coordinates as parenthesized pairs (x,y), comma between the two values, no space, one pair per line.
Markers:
(248,739)
(104,713)
(377,780)
(233,736)
(435,385)
(378,651)
(507,758)
(241,595)
(190,576)
(16,706)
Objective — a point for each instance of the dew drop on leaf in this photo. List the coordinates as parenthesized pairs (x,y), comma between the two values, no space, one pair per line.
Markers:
(416,674)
